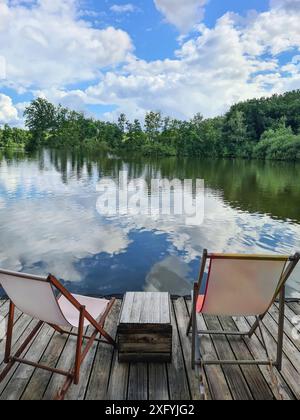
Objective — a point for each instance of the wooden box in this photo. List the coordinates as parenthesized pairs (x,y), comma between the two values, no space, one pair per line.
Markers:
(145,329)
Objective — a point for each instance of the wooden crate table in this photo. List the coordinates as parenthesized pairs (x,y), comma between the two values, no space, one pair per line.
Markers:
(145,329)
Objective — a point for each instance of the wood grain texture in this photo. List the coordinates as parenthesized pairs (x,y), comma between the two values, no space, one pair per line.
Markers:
(145,330)
(146,308)
(103,377)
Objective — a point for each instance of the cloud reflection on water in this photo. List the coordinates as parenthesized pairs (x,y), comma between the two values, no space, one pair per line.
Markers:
(49,222)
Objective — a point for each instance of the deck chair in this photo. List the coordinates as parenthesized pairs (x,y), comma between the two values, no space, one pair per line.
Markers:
(240,286)
(46,300)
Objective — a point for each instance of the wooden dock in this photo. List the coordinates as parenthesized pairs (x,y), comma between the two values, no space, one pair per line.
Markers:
(103,378)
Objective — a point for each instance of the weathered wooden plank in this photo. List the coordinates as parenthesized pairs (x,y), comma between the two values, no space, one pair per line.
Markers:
(137,308)
(77,392)
(289,326)
(145,338)
(4,308)
(289,373)
(138,382)
(145,331)
(127,308)
(22,329)
(100,373)
(293,311)
(16,386)
(145,343)
(182,318)
(289,348)
(40,378)
(146,316)
(151,316)
(216,381)
(179,389)
(144,348)
(118,383)
(158,382)
(3,324)
(2,301)
(276,382)
(237,383)
(255,380)
(165,308)
(295,307)
(144,357)
(145,308)
(118,380)
(66,362)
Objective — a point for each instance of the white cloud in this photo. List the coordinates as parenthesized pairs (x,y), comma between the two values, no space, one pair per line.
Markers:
(213,68)
(2,68)
(74,206)
(233,61)
(8,113)
(293,5)
(210,73)
(123,8)
(184,14)
(48,44)
(273,32)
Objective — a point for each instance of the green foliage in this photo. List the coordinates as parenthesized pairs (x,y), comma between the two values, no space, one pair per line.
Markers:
(278,144)
(40,119)
(14,137)
(264,113)
(267,128)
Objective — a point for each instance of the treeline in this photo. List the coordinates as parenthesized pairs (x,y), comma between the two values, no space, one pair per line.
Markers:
(12,137)
(266,128)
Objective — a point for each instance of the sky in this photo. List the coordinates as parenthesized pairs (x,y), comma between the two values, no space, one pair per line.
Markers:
(180,57)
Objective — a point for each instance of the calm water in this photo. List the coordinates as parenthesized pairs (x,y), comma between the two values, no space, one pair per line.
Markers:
(49,221)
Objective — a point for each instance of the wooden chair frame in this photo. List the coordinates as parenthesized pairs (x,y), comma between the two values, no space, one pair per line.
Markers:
(197,358)
(72,376)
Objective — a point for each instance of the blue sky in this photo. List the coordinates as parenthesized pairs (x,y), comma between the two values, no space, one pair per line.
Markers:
(177,56)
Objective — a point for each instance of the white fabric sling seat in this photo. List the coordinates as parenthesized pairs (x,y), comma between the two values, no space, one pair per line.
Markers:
(35,296)
(95,307)
(240,285)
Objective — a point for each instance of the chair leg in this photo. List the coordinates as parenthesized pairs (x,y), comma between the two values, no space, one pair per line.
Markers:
(12,360)
(9,334)
(280,329)
(189,326)
(193,343)
(79,347)
(255,327)
(194,324)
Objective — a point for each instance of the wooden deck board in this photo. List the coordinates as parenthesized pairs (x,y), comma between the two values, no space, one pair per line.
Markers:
(235,378)
(178,383)
(22,375)
(255,380)
(101,369)
(103,377)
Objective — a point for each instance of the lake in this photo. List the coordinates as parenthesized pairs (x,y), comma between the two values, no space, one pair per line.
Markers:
(49,220)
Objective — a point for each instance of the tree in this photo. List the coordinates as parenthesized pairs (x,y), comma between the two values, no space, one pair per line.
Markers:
(266,128)
(122,123)
(40,118)
(153,124)
(13,137)
(197,120)
(235,133)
